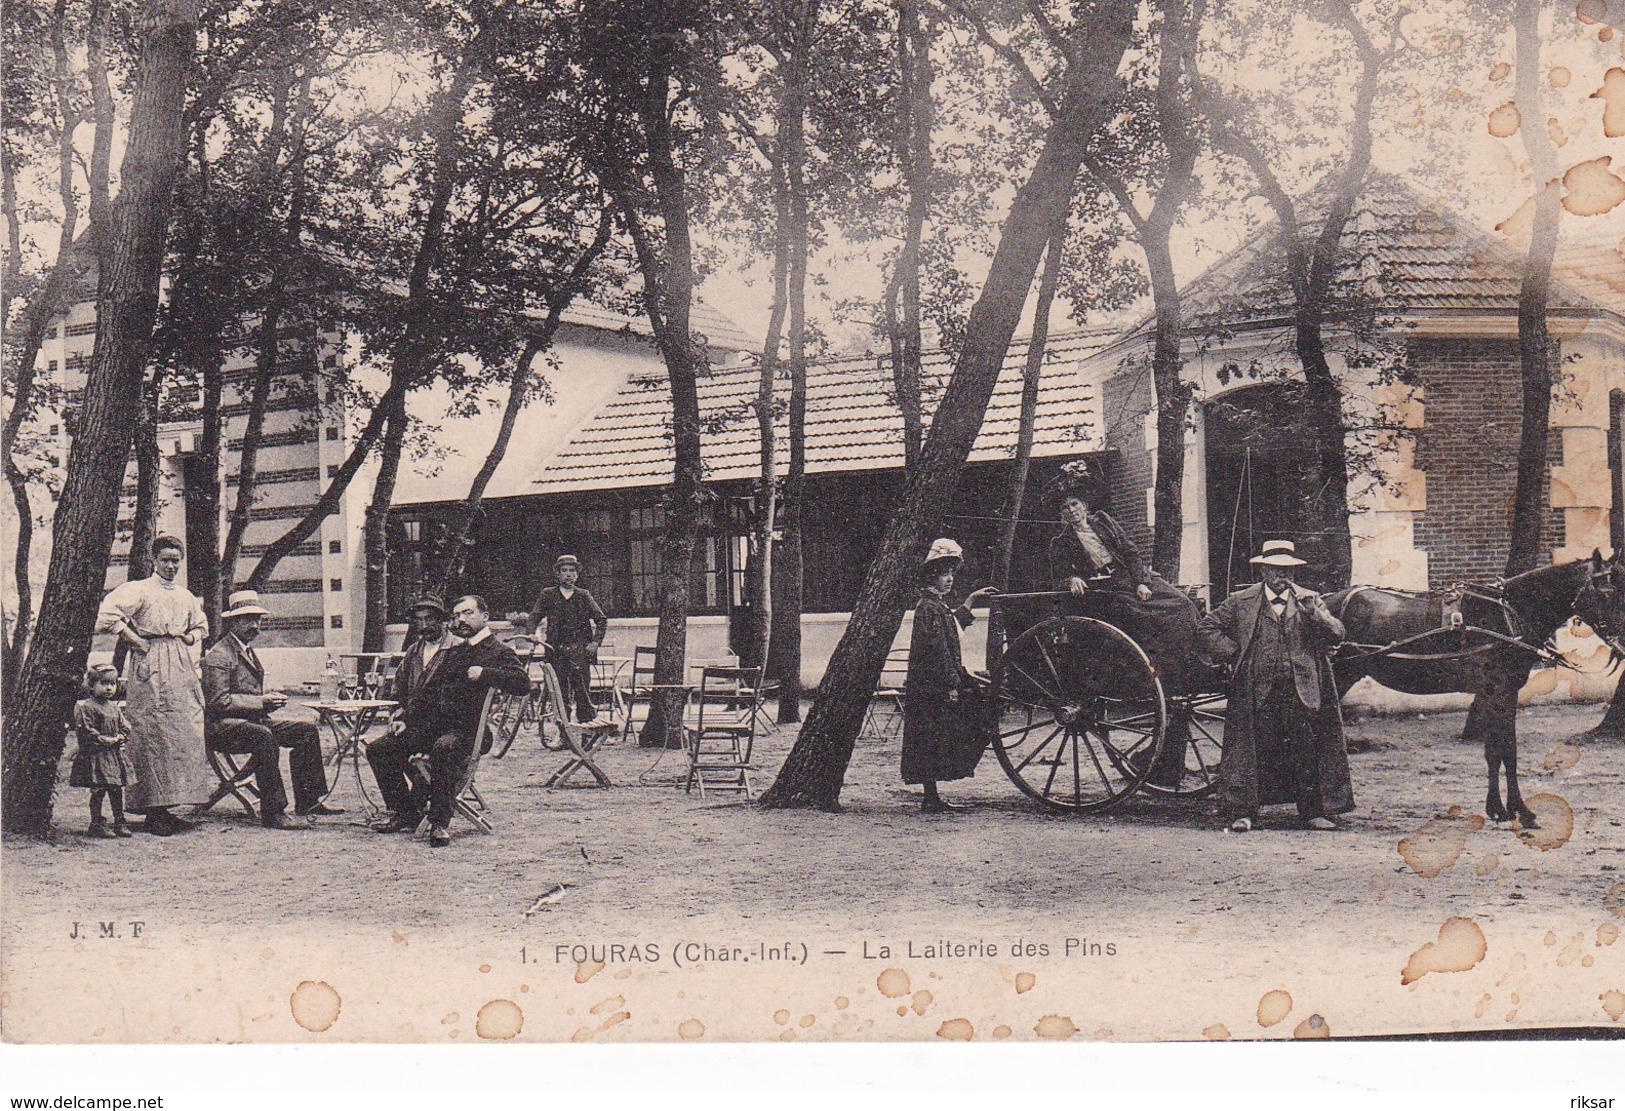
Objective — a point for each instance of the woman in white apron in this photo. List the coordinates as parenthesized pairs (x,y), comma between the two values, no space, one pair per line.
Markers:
(162,621)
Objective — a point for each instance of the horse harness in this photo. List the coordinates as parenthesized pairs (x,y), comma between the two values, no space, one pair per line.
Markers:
(1453,621)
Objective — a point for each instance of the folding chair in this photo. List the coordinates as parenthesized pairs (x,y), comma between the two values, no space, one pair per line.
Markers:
(722,731)
(639,689)
(605,685)
(236,779)
(883,716)
(467,801)
(580,738)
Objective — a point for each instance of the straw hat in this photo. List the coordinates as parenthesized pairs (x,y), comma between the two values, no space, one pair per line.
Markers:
(1279,553)
(244,603)
(944,548)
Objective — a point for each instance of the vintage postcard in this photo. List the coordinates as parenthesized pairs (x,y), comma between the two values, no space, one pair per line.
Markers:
(906,520)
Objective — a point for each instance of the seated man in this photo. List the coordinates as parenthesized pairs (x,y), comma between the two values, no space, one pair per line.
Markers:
(238,708)
(441,719)
(429,637)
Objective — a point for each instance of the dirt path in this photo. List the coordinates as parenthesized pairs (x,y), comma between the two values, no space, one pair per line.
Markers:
(1200,923)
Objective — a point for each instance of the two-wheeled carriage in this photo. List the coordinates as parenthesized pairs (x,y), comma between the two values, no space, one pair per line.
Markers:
(1079,716)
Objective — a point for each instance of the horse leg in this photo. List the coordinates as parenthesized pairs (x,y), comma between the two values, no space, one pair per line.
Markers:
(1496,724)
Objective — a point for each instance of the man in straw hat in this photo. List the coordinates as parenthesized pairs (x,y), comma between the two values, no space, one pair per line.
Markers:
(1283,737)
(239,712)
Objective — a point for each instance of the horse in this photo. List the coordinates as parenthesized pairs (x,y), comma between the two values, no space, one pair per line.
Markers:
(1478,639)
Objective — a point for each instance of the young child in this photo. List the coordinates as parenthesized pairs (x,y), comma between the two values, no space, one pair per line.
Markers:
(100,764)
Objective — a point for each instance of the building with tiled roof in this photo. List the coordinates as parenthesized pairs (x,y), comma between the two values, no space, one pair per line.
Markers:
(1431,377)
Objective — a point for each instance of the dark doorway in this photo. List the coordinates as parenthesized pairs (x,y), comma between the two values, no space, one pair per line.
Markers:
(1263,481)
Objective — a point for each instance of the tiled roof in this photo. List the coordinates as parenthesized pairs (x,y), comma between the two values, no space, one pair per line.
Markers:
(718,330)
(852,419)
(1407,250)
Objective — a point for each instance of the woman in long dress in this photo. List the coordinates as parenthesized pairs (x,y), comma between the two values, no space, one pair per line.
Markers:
(1092,557)
(161,621)
(942,735)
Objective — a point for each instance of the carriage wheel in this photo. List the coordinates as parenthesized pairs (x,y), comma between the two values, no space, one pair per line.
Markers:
(1080,714)
(1203,749)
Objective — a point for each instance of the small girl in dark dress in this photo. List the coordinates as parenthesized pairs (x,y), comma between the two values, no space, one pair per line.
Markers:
(100,763)
(942,737)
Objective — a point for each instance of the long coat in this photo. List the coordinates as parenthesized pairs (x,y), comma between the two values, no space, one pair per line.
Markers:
(943,739)
(1229,635)
(1164,624)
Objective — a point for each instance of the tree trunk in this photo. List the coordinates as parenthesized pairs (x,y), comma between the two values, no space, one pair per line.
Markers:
(82,531)
(376,530)
(412,351)
(203,493)
(518,395)
(269,346)
(1031,375)
(668,291)
(149,463)
(767,481)
(54,296)
(914,119)
(1534,342)
(816,767)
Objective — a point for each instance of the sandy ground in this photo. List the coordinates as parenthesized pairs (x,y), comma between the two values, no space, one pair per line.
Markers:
(719,920)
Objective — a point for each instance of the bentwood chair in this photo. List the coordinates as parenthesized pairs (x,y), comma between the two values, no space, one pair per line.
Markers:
(721,730)
(638,690)
(883,716)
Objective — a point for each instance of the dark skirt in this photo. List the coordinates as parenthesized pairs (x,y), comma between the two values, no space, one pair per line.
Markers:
(1165,626)
(943,740)
(101,766)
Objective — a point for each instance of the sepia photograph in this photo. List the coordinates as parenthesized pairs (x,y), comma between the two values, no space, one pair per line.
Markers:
(812,521)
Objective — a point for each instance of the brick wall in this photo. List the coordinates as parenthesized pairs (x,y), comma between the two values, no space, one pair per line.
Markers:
(1468,448)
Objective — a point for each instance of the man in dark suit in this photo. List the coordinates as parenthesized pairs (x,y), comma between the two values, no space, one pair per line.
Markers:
(442,718)
(1283,731)
(570,619)
(237,711)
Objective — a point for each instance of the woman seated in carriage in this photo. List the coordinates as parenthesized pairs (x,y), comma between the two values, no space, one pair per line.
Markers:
(1094,560)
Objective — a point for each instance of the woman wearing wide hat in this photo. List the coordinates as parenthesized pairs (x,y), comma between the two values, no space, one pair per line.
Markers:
(1094,560)
(943,738)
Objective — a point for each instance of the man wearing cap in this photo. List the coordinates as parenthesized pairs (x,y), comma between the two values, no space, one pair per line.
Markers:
(1283,737)
(442,719)
(569,619)
(238,710)
(429,638)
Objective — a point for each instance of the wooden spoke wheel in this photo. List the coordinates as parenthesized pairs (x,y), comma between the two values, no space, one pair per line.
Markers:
(1079,715)
(1203,747)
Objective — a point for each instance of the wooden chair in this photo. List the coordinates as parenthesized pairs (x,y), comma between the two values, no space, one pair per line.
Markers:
(467,802)
(605,685)
(883,716)
(580,738)
(236,780)
(721,732)
(638,689)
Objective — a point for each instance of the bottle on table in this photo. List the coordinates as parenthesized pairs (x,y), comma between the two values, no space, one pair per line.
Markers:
(332,680)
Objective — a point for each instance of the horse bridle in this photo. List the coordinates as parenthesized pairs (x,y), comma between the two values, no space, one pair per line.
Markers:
(1601,582)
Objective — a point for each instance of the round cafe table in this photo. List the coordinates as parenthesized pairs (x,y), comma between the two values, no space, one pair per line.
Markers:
(347,721)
